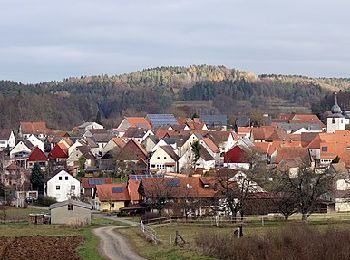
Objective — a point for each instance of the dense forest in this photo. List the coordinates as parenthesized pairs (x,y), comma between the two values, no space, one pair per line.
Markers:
(179,90)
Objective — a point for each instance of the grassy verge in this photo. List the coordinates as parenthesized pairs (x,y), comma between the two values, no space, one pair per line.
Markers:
(189,231)
(163,251)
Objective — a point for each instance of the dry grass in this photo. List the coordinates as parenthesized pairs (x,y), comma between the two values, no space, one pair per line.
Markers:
(288,243)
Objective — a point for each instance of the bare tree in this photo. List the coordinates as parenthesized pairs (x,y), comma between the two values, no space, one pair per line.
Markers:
(303,190)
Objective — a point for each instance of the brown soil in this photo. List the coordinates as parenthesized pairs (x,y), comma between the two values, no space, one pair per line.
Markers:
(40,247)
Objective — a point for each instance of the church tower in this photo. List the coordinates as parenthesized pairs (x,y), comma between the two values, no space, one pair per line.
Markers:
(335,121)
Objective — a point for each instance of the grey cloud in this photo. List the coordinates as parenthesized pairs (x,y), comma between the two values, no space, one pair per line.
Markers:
(50,40)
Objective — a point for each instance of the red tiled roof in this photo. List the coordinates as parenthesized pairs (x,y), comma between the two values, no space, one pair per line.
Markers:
(211,145)
(37,155)
(176,188)
(58,153)
(34,127)
(106,192)
(291,153)
(133,187)
(139,122)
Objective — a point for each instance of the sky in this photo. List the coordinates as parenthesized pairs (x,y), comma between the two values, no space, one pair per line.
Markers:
(45,40)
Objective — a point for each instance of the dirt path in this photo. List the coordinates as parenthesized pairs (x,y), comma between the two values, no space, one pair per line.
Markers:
(114,246)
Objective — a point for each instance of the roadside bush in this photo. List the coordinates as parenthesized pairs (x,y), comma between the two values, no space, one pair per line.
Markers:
(149,215)
(287,243)
(45,201)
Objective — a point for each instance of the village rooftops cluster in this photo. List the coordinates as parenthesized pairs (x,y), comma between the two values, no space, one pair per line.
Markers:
(163,144)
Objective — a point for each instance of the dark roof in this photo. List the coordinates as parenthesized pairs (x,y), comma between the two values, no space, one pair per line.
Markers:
(102,138)
(85,150)
(71,202)
(204,154)
(169,150)
(296,126)
(220,120)
(161,119)
(134,132)
(242,121)
(5,134)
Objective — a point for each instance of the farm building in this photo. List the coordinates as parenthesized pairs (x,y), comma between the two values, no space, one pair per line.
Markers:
(71,212)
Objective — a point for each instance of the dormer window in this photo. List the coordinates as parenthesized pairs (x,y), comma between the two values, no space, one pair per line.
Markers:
(324,149)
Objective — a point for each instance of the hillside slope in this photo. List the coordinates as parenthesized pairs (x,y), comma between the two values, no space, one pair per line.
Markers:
(179,90)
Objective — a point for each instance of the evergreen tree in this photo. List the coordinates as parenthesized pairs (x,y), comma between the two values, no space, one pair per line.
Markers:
(37,179)
(98,117)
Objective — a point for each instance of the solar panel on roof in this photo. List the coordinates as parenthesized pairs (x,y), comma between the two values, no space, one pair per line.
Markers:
(96,181)
(174,183)
(140,177)
(162,119)
(117,189)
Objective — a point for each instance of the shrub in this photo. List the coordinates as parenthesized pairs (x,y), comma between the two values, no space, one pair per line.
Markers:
(294,242)
(45,201)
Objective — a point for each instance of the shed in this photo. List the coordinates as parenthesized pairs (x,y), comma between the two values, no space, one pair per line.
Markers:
(71,212)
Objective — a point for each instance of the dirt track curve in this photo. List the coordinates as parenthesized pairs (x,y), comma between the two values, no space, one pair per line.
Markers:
(114,246)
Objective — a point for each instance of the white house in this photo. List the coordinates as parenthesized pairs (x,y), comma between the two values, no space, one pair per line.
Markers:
(36,142)
(21,149)
(164,159)
(63,186)
(7,139)
(89,126)
(205,161)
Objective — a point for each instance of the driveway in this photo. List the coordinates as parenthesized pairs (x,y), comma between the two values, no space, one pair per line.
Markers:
(114,246)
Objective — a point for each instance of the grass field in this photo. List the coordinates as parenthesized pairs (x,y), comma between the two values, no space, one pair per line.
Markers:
(166,233)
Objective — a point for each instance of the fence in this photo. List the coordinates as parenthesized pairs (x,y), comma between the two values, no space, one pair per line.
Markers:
(149,232)
(260,220)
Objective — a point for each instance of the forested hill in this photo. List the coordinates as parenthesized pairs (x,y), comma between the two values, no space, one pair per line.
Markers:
(179,90)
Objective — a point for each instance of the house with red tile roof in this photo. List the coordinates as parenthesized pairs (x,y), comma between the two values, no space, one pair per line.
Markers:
(37,128)
(58,153)
(135,122)
(112,197)
(88,186)
(175,191)
(237,158)
(39,157)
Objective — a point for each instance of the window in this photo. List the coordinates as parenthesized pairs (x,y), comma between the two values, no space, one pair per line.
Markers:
(70,207)
(164,157)
(324,149)
(60,178)
(72,187)
(112,205)
(158,158)
(58,187)
(153,166)
(66,178)
(333,120)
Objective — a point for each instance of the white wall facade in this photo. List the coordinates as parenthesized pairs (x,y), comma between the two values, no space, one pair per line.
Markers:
(63,186)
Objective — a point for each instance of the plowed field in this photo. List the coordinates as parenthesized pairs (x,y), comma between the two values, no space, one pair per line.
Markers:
(40,247)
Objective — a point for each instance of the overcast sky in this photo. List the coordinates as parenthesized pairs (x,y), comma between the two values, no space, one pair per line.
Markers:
(45,40)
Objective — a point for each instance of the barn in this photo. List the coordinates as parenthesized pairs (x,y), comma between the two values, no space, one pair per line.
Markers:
(71,212)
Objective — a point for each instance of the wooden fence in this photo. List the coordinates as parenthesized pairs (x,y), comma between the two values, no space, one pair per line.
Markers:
(149,232)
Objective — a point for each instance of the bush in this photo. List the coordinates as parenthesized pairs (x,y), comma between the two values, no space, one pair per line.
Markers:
(294,242)
(45,201)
